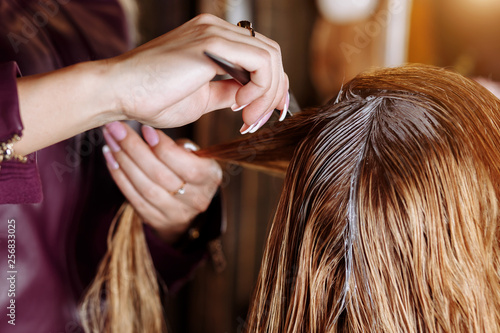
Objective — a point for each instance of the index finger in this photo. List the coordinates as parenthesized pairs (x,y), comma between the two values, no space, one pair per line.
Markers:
(186,165)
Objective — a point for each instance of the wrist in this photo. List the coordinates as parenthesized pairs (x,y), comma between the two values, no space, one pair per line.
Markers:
(101,82)
(171,234)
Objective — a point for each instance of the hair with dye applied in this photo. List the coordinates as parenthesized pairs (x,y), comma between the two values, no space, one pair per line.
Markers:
(388,220)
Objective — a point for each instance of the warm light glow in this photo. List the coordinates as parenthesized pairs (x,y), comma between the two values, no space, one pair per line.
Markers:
(481,4)
(346,11)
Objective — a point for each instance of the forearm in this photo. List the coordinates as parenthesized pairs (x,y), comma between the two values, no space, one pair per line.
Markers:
(58,105)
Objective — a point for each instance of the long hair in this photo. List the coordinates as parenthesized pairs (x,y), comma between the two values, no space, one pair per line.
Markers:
(125,295)
(388,219)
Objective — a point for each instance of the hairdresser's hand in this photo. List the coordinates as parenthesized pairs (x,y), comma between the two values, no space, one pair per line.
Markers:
(167,82)
(149,175)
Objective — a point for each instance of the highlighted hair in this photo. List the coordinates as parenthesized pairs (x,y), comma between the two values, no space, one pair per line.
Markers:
(388,220)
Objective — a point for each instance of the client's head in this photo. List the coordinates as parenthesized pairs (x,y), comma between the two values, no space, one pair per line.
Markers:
(388,220)
(389,216)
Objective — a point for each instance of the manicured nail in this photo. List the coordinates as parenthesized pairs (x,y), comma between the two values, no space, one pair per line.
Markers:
(150,135)
(236,108)
(285,109)
(117,130)
(190,146)
(109,158)
(245,129)
(261,122)
(115,147)
(255,126)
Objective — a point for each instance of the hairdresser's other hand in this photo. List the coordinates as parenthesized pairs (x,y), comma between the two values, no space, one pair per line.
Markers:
(167,82)
(149,175)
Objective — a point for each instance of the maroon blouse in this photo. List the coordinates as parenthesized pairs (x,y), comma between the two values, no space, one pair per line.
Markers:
(56,209)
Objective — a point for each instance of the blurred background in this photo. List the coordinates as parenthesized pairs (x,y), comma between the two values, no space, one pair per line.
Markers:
(324,43)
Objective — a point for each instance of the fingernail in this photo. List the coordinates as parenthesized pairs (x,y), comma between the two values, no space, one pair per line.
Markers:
(109,158)
(255,126)
(117,130)
(285,109)
(190,146)
(150,135)
(110,141)
(261,122)
(235,107)
(245,128)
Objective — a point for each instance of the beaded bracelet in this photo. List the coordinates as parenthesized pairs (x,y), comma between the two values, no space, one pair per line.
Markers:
(7,151)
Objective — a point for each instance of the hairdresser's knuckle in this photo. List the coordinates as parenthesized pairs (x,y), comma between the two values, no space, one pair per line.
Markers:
(195,175)
(139,205)
(213,41)
(183,214)
(275,46)
(265,55)
(209,35)
(205,18)
(218,180)
(158,175)
(151,193)
(199,204)
(212,32)
(216,174)
(164,152)
(130,143)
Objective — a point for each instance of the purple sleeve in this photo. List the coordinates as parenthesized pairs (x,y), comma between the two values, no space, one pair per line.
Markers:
(173,265)
(19,182)
(176,264)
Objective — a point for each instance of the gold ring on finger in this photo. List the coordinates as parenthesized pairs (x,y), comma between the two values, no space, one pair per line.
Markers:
(247,25)
(181,190)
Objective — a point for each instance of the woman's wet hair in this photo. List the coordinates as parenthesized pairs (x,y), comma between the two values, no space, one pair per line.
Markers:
(387,222)
(388,219)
